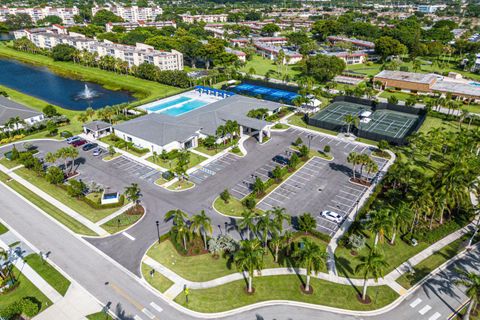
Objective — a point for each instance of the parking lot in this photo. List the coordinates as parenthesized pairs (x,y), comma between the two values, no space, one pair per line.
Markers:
(244,187)
(135,169)
(212,168)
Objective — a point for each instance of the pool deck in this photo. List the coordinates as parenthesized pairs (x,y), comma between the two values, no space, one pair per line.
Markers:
(193,95)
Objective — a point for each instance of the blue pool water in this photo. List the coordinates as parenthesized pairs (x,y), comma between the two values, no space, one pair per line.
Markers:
(109,196)
(168,104)
(476,84)
(266,93)
(184,108)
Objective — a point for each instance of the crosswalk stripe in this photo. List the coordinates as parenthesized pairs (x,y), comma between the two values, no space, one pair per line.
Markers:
(128,236)
(435,316)
(148,313)
(415,303)
(156,307)
(136,317)
(425,309)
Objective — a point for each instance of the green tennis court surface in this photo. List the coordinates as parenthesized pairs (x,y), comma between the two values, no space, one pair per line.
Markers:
(390,123)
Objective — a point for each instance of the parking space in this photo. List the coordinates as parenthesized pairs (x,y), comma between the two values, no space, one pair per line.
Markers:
(212,168)
(135,169)
(244,187)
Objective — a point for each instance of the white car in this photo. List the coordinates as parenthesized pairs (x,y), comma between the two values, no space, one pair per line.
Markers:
(332,216)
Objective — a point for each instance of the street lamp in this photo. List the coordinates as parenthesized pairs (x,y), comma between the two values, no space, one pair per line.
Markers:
(358,201)
(158,230)
(310,137)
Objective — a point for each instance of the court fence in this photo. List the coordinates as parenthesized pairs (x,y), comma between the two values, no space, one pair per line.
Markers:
(374,106)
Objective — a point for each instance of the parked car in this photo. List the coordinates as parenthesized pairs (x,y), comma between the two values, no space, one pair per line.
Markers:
(89,146)
(332,216)
(281,160)
(72,139)
(97,152)
(78,143)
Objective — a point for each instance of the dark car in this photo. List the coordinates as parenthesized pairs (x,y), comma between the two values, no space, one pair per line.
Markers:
(89,146)
(281,160)
(78,143)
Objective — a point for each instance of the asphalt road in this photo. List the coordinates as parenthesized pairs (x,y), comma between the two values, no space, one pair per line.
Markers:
(127,296)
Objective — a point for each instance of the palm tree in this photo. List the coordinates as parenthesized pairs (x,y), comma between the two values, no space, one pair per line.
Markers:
(401,218)
(472,282)
(287,239)
(276,242)
(71,153)
(310,257)
(50,157)
(248,222)
(180,226)
(201,224)
(354,159)
(349,120)
(133,193)
(279,216)
(380,222)
(220,132)
(62,154)
(249,258)
(373,265)
(266,226)
(82,117)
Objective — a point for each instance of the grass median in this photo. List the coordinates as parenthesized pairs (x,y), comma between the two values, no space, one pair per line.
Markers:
(157,280)
(47,207)
(232,295)
(51,275)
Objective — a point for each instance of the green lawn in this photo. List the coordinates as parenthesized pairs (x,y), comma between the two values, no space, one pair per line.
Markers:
(394,255)
(25,289)
(220,147)
(99,316)
(297,120)
(425,267)
(61,195)
(111,157)
(48,273)
(234,207)
(232,295)
(195,159)
(206,267)
(180,185)
(158,281)
(110,140)
(126,220)
(262,65)
(432,123)
(8,163)
(48,208)
(401,96)
(144,90)
(3,229)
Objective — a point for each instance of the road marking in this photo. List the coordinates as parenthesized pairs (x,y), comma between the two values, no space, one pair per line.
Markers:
(148,313)
(127,297)
(137,317)
(425,309)
(128,236)
(415,303)
(435,316)
(156,306)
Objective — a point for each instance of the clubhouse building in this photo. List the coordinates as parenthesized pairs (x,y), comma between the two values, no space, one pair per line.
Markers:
(10,110)
(179,122)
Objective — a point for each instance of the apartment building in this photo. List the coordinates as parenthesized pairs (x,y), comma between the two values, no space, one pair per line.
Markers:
(208,18)
(133,13)
(271,51)
(350,57)
(129,26)
(66,14)
(242,56)
(48,38)
(361,44)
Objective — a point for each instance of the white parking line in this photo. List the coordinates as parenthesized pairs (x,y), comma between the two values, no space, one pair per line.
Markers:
(435,316)
(337,209)
(348,199)
(424,309)
(136,317)
(294,186)
(276,193)
(272,198)
(128,236)
(339,141)
(415,303)
(148,313)
(156,306)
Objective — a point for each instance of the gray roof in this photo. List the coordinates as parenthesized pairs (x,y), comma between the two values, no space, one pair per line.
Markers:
(457,88)
(97,125)
(162,129)
(425,78)
(10,109)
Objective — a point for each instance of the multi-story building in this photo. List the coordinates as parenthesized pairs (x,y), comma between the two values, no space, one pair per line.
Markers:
(271,52)
(129,26)
(66,14)
(133,13)
(242,56)
(426,8)
(48,38)
(362,44)
(208,18)
(350,57)
(476,65)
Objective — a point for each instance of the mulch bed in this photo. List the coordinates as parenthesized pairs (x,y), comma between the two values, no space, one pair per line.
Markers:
(366,301)
(249,293)
(310,291)
(135,210)
(361,182)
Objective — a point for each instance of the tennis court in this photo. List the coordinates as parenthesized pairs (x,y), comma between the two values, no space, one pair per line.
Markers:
(266,93)
(390,123)
(335,112)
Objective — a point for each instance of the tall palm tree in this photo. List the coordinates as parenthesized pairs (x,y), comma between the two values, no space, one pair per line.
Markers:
(287,240)
(133,193)
(249,258)
(266,226)
(72,153)
(349,120)
(180,226)
(201,224)
(279,215)
(380,222)
(310,257)
(472,282)
(354,159)
(401,218)
(276,242)
(248,222)
(63,154)
(373,265)
(50,157)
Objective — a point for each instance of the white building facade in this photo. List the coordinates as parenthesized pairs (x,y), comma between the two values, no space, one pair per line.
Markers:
(133,13)
(208,18)
(66,14)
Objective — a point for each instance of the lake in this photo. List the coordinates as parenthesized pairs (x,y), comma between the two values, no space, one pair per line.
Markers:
(67,93)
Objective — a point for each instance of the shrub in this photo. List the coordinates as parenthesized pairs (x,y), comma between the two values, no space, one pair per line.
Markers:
(278,126)
(54,175)
(298,142)
(249,203)
(50,111)
(15,154)
(168,175)
(307,223)
(66,134)
(236,149)
(225,196)
(30,306)
(76,188)
(98,205)
(357,242)
(327,149)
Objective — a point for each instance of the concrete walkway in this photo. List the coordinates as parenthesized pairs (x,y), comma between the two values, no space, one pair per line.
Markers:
(69,211)
(115,214)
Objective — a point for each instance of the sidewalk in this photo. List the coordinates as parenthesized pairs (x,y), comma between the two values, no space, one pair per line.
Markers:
(75,215)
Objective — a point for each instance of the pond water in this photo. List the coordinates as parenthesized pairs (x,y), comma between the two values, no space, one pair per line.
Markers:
(68,93)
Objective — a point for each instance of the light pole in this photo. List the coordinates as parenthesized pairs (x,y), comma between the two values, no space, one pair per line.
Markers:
(158,230)
(310,137)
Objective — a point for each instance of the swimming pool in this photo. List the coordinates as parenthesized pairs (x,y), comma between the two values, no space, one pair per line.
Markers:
(476,84)
(184,108)
(168,104)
